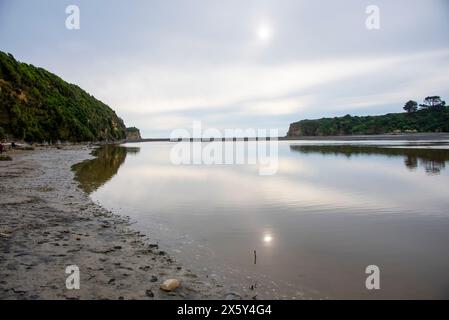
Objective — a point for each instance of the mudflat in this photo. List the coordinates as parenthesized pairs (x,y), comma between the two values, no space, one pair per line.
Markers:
(47,223)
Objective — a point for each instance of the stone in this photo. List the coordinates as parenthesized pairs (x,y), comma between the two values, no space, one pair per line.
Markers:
(233,296)
(149,293)
(170,285)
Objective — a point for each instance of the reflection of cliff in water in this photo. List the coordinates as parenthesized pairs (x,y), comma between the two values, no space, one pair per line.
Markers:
(432,160)
(92,174)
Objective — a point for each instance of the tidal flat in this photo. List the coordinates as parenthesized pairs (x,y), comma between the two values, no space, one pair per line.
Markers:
(48,223)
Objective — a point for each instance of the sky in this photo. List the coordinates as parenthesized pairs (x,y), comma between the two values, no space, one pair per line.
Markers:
(236,64)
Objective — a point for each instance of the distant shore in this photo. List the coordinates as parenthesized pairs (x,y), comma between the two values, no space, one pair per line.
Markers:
(47,223)
(392,137)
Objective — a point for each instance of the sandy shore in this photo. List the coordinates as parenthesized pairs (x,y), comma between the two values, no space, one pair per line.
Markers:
(47,223)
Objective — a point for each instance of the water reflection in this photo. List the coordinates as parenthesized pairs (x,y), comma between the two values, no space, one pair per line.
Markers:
(267,239)
(432,160)
(92,174)
(313,227)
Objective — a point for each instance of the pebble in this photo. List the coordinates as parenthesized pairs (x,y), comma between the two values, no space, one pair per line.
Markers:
(233,296)
(149,293)
(170,285)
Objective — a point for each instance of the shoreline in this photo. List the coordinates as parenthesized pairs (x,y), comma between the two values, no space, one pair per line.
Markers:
(48,223)
(384,137)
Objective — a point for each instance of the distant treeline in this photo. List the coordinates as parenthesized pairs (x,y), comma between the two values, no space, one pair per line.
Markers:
(432,116)
(36,105)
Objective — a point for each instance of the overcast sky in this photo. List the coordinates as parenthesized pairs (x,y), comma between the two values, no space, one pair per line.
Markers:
(236,64)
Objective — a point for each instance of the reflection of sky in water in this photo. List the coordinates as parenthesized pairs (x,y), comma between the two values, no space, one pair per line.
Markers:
(322,213)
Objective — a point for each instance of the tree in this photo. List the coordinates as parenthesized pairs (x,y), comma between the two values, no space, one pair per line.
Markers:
(411,106)
(433,103)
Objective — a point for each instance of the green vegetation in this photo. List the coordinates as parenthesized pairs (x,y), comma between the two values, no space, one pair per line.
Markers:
(36,105)
(132,130)
(411,106)
(433,116)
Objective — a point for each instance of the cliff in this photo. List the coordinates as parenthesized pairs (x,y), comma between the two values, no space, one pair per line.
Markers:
(133,133)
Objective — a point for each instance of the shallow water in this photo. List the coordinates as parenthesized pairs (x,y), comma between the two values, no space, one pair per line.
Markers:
(332,209)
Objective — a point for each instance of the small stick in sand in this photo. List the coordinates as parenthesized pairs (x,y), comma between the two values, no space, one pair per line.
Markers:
(255,257)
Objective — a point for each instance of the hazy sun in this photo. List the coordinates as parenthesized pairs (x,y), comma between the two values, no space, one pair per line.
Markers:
(264,33)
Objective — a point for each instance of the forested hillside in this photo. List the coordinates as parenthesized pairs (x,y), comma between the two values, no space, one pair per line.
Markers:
(433,116)
(36,105)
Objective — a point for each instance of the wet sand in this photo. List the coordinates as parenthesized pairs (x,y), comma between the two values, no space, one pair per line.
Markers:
(47,223)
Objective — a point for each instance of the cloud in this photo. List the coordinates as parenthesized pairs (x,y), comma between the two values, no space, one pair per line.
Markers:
(158,88)
(163,64)
(163,97)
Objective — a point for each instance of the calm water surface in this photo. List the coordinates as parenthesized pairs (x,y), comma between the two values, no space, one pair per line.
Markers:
(332,209)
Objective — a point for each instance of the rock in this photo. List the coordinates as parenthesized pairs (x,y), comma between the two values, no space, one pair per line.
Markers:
(233,296)
(149,293)
(170,285)
(153,279)
(133,133)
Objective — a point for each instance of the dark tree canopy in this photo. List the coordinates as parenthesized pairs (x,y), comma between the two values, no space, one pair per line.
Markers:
(433,102)
(411,106)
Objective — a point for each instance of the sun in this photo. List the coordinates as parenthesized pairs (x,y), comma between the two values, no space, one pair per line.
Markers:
(264,33)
